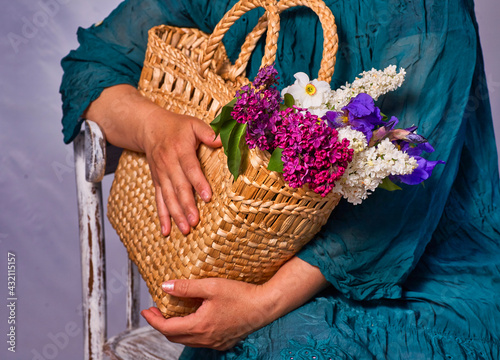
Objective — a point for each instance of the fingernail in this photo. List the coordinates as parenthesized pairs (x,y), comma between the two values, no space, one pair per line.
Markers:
(191,219)
(184,227)
(167,286)
(205,196)
(163,229)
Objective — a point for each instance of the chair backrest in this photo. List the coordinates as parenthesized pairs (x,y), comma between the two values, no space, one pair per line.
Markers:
(93,159)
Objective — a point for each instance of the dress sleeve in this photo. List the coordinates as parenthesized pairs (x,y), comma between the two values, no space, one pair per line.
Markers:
(367,251)
(111,53)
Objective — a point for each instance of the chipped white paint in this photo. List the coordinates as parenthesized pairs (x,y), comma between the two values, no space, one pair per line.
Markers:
(90,214)
(144,343)
(95,152)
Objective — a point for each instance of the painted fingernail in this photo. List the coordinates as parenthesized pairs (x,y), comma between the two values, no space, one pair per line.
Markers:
(167,286)
(205,196)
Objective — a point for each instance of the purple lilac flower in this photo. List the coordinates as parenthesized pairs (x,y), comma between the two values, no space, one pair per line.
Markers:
(360,114)
(266,77)
(256,107)
(312,153)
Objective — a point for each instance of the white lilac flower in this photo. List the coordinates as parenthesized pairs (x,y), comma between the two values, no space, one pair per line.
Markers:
(307,93)
(369,168)
(370,164)
(374,83)
(357,140)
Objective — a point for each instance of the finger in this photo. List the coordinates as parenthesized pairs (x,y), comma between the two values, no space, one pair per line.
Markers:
(154,319)
(170,199)
(168,327)
(183,191)
(206,134)
(163,213)
(155,310)
(176,326)
(191,168)
(192,288)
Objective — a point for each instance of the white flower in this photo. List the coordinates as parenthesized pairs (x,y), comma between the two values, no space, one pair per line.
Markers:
(370,165)
(319,111)
(374,83)
(357,140)
(308,94)
(369,168)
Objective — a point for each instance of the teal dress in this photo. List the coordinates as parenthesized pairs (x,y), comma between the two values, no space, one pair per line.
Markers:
(414,274)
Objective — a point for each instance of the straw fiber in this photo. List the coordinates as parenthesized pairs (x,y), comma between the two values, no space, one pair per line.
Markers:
(251,226)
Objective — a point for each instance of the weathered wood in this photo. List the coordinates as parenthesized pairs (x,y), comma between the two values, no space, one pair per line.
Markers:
(95,152)
(90,214)
(133,303)
(144,343)
(101,157)
(93,159)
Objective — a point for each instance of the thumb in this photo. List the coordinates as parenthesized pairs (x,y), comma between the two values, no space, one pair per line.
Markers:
(206,134)
(194,288)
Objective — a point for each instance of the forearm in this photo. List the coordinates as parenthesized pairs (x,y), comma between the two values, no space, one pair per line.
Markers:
(122,113)
(293,285)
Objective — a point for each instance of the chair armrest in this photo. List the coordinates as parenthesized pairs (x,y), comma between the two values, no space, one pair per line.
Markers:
(95,152)
(101,158)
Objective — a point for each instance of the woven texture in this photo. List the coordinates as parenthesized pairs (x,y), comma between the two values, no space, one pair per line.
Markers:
(252,225)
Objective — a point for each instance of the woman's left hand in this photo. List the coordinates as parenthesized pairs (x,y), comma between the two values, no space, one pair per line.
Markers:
(233,309)
(230,311)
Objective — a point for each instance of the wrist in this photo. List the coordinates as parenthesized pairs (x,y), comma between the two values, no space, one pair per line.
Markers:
(293,285)
(121,112)
(144,115)
(148,115)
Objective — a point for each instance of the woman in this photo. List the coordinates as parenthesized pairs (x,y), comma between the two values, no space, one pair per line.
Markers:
(412,275)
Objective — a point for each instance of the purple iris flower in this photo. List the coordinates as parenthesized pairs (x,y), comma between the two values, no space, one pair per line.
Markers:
(335,119)
(383,131)
(415,149)
(362,107)
(424,166)
(360,114)
(420,174)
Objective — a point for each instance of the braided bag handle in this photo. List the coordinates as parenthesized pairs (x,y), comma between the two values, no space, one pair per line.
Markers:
(330,44)
(237,11)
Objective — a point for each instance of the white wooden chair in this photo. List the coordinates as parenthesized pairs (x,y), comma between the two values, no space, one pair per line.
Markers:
(94,159)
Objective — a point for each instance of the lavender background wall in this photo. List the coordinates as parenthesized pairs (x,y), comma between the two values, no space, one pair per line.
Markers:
(38,212)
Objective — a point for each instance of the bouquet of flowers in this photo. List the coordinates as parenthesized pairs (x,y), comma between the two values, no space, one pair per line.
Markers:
(329,140)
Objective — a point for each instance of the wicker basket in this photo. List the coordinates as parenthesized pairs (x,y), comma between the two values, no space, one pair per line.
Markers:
(251,226)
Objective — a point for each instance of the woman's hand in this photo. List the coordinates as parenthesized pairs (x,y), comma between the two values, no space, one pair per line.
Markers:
(232,309)
(169,140)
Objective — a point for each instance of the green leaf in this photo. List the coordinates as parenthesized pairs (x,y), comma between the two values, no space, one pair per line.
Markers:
(289,100)
(384,116)
(225,133)
(236,148)
(387,184)
(223,117)
(275,162)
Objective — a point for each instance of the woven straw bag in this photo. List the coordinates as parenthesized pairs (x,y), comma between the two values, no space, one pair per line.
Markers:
(251,226)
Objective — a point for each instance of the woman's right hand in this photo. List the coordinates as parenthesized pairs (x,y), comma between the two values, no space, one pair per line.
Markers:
(170,142)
